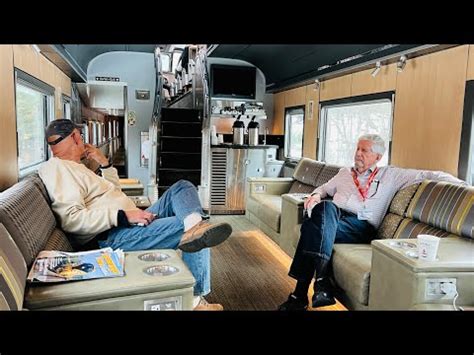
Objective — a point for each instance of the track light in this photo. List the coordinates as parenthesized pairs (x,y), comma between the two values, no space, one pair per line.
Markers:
(317,84)
(401,63)
(377,69)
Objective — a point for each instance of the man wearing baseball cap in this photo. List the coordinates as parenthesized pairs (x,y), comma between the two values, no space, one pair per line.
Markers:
(96,211)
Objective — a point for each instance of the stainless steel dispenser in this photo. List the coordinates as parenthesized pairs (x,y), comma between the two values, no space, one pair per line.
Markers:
(253,132)
(238,131)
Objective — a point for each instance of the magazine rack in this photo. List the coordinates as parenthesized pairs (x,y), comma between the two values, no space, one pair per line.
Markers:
(154,280)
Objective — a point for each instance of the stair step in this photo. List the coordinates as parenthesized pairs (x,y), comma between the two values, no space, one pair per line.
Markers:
(180,115)
(181,129)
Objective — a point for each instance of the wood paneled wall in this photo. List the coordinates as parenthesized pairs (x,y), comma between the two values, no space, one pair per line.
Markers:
(428,111)
(311,121)
(470,64)
(37,65)
(8,161)
(25,58)
(429,99)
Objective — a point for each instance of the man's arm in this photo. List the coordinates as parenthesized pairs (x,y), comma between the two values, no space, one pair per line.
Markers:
(329,188)
(406,177)
(109,173)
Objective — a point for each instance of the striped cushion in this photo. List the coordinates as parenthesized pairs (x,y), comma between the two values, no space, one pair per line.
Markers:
(402,199)
(28,218)
(300,188)
(389,226)
(444,205)
(328,172)
(58,241)
(12,273)
(307,171)
(410,229)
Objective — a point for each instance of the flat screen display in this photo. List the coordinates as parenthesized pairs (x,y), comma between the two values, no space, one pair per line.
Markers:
(233,82)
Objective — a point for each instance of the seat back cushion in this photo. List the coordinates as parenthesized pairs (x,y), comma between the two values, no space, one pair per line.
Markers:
(446,206)
(307,171)
(27,217)
(13,273)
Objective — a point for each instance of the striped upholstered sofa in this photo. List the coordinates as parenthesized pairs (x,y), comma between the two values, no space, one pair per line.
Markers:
(28,226)
(437,208)
(264,197)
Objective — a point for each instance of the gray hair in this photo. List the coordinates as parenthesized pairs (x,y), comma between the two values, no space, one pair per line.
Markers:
(378,144)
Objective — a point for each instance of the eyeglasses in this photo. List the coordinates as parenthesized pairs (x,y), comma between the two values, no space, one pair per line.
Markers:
(376,188)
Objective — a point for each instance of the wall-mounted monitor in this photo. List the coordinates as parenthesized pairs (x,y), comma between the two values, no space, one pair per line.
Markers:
(229,81)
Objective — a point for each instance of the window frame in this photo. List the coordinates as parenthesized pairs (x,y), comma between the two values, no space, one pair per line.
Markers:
(286,141)
(66,100)
(30,82)
(467,135)
(349,101)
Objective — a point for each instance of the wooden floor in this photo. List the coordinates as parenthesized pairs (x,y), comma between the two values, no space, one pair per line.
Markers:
(273,259)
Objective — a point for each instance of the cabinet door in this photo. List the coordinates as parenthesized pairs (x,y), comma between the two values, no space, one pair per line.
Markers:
(255,163)
(236,179)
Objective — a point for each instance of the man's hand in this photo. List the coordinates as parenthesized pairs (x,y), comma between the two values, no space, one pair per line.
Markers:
(140,216)
(95,154)
(311,201)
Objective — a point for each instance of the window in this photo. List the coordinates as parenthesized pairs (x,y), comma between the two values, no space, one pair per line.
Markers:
(344,121)
(66,107)
(176,58)
(165,62)
(466,146)
(294,124)
(34,109)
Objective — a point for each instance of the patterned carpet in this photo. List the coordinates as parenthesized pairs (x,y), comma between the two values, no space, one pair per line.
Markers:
(248,272)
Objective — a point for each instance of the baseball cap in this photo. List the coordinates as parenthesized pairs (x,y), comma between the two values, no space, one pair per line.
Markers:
(62,128)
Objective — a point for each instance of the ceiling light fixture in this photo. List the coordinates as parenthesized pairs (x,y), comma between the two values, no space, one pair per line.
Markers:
(317,84)
(401,63)
(378,65)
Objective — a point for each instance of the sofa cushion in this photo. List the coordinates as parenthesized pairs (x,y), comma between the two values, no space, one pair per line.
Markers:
(351,266)
(307,172)
(28,218)
(327,173)
(58,241)
(402,199)
(445,206)
(389,226)
(267,208)
(12,273)
(410,228)
(300,188)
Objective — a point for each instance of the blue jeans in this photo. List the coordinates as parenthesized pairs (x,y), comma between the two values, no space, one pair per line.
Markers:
(327,225)
(165,232)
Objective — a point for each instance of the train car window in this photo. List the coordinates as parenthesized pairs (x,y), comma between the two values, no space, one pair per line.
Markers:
(175,59)
(34,109)
(66,107)
(165,62)
(294,127)
(343,121)
(466,146)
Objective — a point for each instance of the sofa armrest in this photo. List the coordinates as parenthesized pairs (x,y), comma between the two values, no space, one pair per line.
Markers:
(291,217)
(269,186)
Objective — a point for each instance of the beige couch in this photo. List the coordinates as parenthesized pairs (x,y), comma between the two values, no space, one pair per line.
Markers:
(366,279)
(28,225)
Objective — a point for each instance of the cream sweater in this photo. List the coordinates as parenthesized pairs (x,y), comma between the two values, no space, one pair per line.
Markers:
(84,203)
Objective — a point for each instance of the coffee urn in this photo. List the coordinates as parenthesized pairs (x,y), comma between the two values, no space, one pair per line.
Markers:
(238,131)
(253,132)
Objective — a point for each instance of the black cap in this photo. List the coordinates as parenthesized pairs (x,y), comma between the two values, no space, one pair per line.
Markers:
(62,128)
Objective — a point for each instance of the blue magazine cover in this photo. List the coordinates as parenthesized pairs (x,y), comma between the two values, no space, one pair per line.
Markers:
(57,266)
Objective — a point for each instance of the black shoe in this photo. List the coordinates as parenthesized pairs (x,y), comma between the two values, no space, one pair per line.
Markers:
(294,304)
(323,293)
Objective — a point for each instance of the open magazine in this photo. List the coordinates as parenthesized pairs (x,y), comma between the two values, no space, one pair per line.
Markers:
(56,266)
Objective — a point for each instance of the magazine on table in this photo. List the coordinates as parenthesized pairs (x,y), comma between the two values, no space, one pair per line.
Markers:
(57,266)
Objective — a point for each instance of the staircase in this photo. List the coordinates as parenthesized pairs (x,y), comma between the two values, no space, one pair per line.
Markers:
(179,147)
